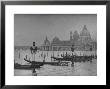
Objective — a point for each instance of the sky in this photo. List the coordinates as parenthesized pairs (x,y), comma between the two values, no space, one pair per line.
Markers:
(35,27)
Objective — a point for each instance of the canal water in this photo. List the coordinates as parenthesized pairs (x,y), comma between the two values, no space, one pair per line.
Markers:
(79,69)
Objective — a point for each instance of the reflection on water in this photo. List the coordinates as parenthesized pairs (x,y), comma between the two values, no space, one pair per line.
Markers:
(79,69)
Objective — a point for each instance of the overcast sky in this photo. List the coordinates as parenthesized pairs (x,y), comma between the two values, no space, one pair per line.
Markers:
(29,28)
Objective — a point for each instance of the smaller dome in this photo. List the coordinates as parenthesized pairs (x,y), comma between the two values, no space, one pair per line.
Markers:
(75,36)
(55,40)
(84,32)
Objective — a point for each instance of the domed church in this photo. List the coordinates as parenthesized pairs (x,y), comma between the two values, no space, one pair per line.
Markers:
(85,35)
(82,41)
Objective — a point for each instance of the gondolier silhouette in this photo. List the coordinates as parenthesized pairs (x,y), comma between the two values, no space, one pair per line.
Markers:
(33,52)
(33,48)
(72,49)
(91,48)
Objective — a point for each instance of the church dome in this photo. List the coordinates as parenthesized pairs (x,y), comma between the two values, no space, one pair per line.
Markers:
(55,40)
(75,36)
(84,32)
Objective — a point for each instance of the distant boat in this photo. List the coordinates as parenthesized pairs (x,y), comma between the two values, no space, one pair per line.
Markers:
(74,58)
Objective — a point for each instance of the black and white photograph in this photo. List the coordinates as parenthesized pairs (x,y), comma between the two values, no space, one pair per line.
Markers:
(55,45)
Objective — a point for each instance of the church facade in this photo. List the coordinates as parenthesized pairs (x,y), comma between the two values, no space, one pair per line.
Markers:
(82,41)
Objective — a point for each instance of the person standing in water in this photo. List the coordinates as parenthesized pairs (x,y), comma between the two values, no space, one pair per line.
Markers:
(33,52)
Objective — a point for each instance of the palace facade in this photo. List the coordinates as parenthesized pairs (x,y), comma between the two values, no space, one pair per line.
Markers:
(82,41)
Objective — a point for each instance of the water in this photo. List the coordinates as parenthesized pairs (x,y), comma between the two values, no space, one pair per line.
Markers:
(79,69)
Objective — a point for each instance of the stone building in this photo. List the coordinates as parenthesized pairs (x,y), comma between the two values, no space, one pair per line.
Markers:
(58,45)
(82,41)
(46,46)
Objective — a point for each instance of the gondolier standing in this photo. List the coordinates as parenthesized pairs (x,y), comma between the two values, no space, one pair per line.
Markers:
(72,49)
(33,50)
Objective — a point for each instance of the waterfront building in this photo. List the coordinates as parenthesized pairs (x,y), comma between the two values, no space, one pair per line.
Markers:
(82,41)
(46,46)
